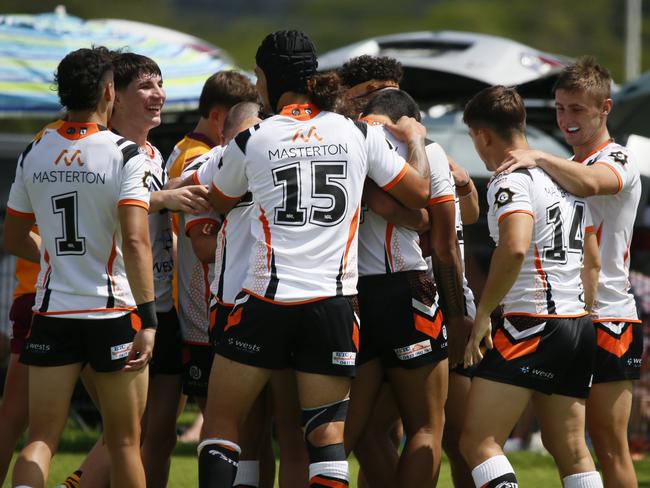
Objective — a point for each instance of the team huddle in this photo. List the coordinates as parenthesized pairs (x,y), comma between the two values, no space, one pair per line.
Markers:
(296,266)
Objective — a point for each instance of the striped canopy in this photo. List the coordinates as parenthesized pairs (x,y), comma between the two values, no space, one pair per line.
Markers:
(31,47)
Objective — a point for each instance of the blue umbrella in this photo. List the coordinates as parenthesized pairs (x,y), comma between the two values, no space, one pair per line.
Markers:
(31,46)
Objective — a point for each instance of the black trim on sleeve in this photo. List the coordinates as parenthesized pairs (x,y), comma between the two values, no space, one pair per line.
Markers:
(242,139)
(129,152)
(363,127)
(428,142)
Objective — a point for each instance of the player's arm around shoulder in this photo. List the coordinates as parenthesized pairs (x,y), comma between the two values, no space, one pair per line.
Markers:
(410,184)
(582,180)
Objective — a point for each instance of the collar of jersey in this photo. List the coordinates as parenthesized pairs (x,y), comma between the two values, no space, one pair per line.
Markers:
(598,149)
(79,130)
(305,111)
(370,120)
(198,136)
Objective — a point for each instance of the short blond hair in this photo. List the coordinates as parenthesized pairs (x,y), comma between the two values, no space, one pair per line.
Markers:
(587,76)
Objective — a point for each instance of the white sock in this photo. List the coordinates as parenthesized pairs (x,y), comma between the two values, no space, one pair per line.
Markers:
(493,468)
(331,469)
(248,473)
(590,479)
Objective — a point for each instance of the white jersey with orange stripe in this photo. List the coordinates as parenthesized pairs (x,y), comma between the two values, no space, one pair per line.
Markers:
(72,180)
(234,240)
(194,276)
(305,170)
(470,305)
(387,248)
(160,234)
(614,223)
(549,283)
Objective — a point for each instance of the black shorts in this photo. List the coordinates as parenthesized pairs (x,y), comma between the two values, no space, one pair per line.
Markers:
(558,359)
(318,337)
(166,358)
(619,351)
(218,319)
(197,363)
(402,325)
(56,341)
(20,315)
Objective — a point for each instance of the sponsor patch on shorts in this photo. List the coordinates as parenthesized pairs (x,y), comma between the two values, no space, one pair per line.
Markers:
(414,350)
(120,351)
(344,358)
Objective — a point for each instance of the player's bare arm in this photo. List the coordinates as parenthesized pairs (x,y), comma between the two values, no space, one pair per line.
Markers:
(515,233)
(204,241)
(413,189)
(190,199)
(590,269)
(138,263)
(465,191)
(581,180)
(19,240)
(391,210)
(445,257)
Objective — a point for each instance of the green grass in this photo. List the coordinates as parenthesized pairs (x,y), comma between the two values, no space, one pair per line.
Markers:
(533,470)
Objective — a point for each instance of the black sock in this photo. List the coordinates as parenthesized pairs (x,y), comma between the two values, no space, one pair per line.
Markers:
(218,463)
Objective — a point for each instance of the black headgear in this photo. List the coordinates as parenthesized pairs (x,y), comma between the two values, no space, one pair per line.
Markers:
(288,59)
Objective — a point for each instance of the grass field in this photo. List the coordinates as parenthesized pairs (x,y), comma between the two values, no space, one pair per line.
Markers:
(533,470)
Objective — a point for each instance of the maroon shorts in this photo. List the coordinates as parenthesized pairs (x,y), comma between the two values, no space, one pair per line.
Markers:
(21,320)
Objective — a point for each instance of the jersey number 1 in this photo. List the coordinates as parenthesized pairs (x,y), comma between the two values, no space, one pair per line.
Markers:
(70,243)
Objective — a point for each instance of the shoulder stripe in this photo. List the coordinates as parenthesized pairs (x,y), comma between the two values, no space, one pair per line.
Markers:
(428,141)
(363,127)
(242,139)
(129,151)
(25,152)
(523,171)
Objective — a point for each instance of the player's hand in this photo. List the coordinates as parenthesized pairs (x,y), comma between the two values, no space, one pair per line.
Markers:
(458,331)
(407,129)
(482,329)
(518,158)
(460,174)
(189,199)
(141,351)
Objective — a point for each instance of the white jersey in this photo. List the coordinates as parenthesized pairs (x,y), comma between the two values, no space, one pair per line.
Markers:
(305,170)
(234,240)
(387,248)
(72,180)
(160,234)
(613,217)
(549,283)
(194,276)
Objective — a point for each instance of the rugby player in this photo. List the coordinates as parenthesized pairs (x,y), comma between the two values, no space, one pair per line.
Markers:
(85,186)
(606,173)
(402,330)
(544,349)
(367,77)
(13,410)
(228,253)
(220,93)
(304,168)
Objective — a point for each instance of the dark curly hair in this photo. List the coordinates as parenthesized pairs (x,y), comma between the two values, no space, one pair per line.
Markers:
(128,66)
(365,68)
(324,90)
(79,77)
